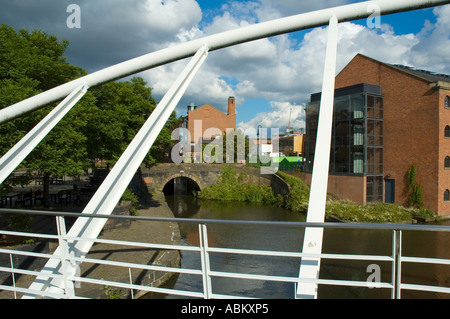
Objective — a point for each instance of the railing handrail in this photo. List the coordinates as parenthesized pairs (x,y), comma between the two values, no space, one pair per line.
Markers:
(204,249)
(355,225)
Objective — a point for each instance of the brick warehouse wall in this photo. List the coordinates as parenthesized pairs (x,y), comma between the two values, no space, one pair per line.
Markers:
(444,150)
(413,132)
(343,186)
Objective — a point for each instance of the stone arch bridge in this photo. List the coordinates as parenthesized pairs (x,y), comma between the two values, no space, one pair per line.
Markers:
(200,176)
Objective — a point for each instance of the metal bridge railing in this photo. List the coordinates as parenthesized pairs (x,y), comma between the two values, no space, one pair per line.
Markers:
(205,273)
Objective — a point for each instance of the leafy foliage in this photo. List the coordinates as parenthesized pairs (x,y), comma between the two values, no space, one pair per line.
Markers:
(31,63)
(299,196)
(347,210)
(414,189)
(100,126)
(234,187)
(121,110)
(35,55)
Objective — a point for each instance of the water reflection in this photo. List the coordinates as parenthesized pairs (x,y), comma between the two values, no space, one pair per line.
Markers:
(336,241)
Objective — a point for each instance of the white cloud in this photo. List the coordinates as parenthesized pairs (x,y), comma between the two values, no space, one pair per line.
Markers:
(282,114)
(286,72)
(298,71)
(432,50)
(272,9)
(170,16)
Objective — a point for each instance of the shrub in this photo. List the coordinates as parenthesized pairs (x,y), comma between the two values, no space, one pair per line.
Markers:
(234,187)
(129,196)
(347,210)
(298,199)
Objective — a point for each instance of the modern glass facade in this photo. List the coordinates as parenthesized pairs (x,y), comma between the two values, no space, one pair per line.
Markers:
(357,135)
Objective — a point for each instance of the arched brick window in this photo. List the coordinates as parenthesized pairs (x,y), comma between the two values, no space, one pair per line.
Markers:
(446,195)
(447,131)
(447,162)
(447,102)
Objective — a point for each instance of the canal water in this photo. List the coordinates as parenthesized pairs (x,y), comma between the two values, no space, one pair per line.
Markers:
(336,241)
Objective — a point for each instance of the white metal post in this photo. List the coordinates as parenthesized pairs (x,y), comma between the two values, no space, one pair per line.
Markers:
(393,267)
(112,188)
(64,258)
(20,151)
(204,257)
(131,282)
(398,255)
(312,242)
(12,274)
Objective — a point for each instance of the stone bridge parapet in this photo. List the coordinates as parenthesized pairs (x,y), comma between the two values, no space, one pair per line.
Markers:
(204,175)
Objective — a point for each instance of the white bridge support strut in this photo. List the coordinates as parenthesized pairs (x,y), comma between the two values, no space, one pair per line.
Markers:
(15,156)
(312,242)
(112,188)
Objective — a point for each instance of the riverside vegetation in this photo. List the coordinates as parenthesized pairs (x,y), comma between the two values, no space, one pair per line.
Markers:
(238,187)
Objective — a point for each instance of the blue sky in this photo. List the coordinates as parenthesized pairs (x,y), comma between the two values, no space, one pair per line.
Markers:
(270,78)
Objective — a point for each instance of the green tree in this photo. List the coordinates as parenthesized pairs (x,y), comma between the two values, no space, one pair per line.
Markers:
(101,125)
(121,110)
(35,55)
(32,62)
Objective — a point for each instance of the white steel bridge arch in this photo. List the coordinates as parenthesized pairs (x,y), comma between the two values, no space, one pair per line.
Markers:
(114,185)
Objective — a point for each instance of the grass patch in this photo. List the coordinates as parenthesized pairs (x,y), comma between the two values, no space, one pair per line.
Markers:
(347,210)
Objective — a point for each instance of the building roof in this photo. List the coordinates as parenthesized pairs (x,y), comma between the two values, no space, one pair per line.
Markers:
(422,74)
(207,106)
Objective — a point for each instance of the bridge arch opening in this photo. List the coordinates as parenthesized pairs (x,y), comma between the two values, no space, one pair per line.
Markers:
(181,185)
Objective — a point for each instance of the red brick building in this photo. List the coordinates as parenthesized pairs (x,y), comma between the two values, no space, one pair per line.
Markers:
(211,119)
(413,128)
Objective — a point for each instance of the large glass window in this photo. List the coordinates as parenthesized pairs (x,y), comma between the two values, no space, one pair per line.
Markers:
(374,107)
(357,135)
(358,162)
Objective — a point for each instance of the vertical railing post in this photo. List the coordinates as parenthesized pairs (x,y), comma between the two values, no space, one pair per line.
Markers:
(131,282)
(394,265)
(12,274)
(66,268)
(204,256)
(312,242)
(398,258)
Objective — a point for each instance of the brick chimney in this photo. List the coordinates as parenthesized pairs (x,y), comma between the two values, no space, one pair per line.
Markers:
(231,106)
